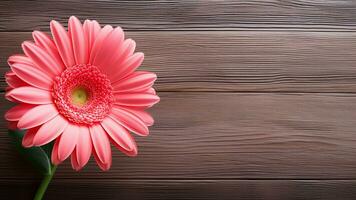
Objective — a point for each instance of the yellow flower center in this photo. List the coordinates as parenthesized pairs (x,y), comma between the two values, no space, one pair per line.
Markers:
(80,96)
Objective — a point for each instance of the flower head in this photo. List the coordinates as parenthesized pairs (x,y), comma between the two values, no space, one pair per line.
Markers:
(81,90)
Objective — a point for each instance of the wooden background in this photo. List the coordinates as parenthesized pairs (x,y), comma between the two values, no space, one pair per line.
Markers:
(258,100)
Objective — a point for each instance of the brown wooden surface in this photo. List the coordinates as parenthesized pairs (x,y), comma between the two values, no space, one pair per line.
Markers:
(257,100)
(252,61)
(22,15)
(188,189)
(309,136)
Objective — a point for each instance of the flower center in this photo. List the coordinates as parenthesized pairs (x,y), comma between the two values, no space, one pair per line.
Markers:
(80,96)
(83,94)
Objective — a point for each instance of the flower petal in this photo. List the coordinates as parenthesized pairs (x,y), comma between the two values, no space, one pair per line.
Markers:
(136,99)
(63,43)
(103,166)
(138,81)
(45,42)
(84,146)
(79,40)
(19,59)
(129,121)
(54,155)
(74,161)
(109,50)
(143,115)
(118,134)
(151,91)
(50,130)
(37,116)
(132,63)
(42,60)
(16,112)
(126,50)
(68,141)
(27,140)
(98,43)
(127,67)
(132,153)
(13,80)
(32,76)
(101,143)
(8,89)
(30,95)
(91,30)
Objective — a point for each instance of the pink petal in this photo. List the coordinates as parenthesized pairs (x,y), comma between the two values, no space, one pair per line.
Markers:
(19,59)
(74,161)
(108,52)
(14,81)
(67,142)
(118,134)
(54,155)
(42,60)
(32,76)
(103,166)
(91,30)
(79,40)
(63,43)
(45,42)
(27,140)
(37,116)
(136,99)
(31,95)
(16,112)
(127,67)
(133,152)
(98,44)
(50,130)
(10,98)
(129,121)
(137,81)
(151,91)
(101,143)
(143,115)
(126,50)
(84,146)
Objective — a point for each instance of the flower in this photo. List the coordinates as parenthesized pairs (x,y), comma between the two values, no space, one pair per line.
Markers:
(80,90)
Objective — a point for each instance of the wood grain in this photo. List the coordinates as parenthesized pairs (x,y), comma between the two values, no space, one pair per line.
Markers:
(23,15)
(258,100)
(230,136)
(258,61)
(184,190)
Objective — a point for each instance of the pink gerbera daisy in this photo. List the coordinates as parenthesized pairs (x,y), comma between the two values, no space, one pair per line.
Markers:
(80,90)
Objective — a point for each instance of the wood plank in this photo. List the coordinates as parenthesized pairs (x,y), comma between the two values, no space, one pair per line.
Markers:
(183,15)
(230,136)
(238,61)
(173,189)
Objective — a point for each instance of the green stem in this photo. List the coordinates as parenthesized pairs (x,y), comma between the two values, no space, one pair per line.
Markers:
(44,184)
